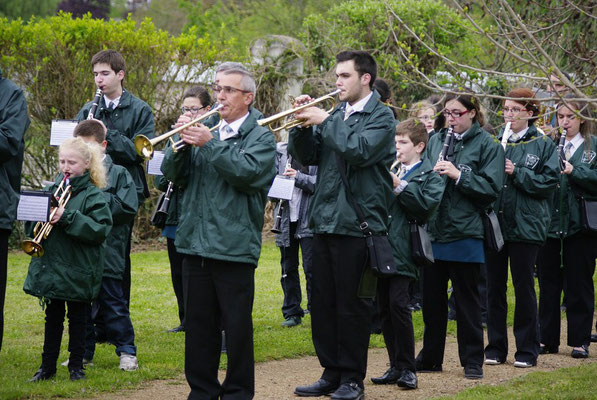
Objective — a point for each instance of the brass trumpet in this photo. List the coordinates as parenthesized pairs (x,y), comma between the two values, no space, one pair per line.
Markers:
(293,121)
(41,230)
(145,146)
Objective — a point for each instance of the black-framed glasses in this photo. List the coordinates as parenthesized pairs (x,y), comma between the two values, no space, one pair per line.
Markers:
(227,89)
(514,110)
(192,110)
(454,113)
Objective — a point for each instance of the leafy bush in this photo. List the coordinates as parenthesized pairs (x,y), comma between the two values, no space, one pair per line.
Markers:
(50,59)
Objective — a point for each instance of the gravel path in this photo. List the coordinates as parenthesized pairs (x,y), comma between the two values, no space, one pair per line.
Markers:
(277,379)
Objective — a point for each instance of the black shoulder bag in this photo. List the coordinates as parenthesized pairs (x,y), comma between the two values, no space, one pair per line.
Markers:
(381,260)
(494,240)
(588,211)
(420,245)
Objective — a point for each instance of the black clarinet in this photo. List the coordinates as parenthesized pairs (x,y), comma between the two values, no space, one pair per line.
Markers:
(277,228)
(95,104)
(160,214)
(443,156)
(561,151)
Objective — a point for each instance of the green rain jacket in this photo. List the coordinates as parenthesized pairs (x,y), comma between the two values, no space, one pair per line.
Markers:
(416,203)
(121,195)
(523,205)
(565,219)
(14,121)
(480,159)
(366,142)
(73,261)
(225,189)
(132,117)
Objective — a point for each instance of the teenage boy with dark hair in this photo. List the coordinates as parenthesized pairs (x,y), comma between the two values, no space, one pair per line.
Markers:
(418,192)
(358,137)
(126,117)
(111,305)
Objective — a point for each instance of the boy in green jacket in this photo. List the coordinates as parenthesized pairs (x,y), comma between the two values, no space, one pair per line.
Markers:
(121,196)
(418,193)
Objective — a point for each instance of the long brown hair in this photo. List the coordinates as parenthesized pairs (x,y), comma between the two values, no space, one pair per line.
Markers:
(582,110)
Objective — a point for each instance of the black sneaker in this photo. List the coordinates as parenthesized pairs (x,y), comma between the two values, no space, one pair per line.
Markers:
(42,375)
(76,374)
(292,321)
(473,372)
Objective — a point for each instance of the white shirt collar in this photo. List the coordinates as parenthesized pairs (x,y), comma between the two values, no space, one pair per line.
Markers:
(522,133)
(235,126)
(576,141)
(116,101)
(359,106)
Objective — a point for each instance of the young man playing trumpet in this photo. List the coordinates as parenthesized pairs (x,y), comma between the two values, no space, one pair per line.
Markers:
(357,136)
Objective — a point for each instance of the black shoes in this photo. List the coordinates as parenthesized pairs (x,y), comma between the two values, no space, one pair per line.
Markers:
(390,376)
(584,353)
(414,307)
(349,391)
(76,374)
(319,388)
(548,350)
(473,372)
(42,375)
(408,380)
(594,338)
(292,321)
(179,328)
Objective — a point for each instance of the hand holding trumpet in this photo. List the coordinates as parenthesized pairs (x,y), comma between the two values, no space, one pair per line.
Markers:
(311,115)
(196,135)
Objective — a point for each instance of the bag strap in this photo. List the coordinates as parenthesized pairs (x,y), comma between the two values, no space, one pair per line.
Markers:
(342,169)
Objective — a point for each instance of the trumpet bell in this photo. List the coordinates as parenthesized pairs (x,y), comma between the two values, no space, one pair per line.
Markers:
(32,248)
(144,147)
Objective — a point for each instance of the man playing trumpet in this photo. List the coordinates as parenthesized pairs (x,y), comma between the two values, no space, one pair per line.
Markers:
(358,137)
(225,179)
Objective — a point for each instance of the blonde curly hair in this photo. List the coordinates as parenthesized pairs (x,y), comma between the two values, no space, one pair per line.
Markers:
(89,152)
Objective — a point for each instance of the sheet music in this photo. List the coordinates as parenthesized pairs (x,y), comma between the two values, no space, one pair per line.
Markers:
(61,130)
(282,188)
(154,165)
(34,206)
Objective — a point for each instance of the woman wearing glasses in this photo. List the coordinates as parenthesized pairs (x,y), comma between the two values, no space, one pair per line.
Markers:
(569,253)
(523,209)
(426,113)
(474,171)
(196,102)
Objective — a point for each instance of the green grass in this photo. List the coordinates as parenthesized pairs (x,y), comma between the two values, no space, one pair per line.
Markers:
(153,311)
(565,383)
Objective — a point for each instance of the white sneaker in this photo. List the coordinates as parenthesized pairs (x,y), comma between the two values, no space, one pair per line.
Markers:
(128,362)
(523,364)
(86,363)
(492,361)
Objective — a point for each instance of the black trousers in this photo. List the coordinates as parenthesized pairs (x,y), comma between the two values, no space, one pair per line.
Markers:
(340,320)
(522,263)
(465,280)
(126,278)
(53,333)
(290,280)
(579,267)
(4,234)
(218,294)
(176,272)
(396,321)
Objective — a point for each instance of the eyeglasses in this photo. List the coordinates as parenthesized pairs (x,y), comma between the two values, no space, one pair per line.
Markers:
(228,89)
(513,110)
(454,113)
(192,110)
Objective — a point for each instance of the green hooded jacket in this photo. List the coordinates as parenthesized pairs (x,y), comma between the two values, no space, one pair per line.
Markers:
(366,142)
(417,202)
(73,261)
(565,217)
(121,195)
(480,159)
(132,117)
(225,189)
(14,121)
(523,205)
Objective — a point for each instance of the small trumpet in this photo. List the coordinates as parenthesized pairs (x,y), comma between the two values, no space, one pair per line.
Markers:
(286,117)
(42,230)
(145,146)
